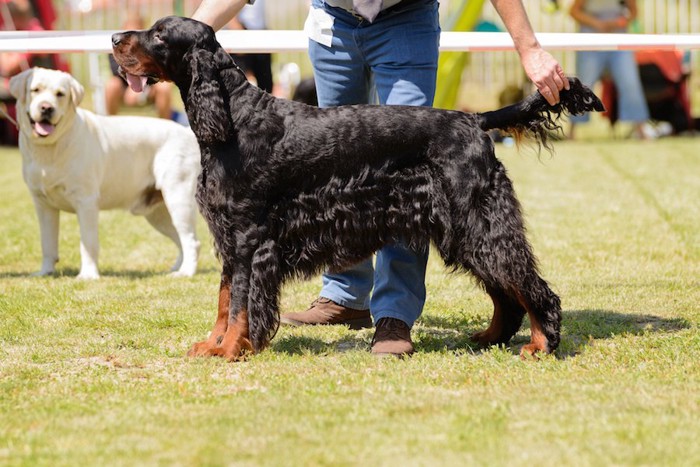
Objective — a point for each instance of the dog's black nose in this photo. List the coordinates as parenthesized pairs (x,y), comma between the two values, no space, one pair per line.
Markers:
(117,38)
(46,109)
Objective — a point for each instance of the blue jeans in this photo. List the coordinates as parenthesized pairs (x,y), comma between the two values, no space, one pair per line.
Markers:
(392,61)
(590,66)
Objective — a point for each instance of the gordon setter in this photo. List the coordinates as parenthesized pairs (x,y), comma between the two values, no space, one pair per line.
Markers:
(289,189)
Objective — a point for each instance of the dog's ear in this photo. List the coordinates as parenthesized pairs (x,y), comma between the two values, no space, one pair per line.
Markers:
(18,84)
(77,91)
(207,108)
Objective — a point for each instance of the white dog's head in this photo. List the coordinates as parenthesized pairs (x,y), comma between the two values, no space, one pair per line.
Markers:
(46,102)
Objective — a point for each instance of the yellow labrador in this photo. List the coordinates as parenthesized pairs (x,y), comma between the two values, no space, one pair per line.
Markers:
(76,161)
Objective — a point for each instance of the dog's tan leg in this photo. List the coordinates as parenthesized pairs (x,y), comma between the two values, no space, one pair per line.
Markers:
(491,335)
(507,319)
(236,343)
(538,339)
(221,325)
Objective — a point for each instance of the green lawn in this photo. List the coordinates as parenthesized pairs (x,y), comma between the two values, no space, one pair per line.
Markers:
(94,373)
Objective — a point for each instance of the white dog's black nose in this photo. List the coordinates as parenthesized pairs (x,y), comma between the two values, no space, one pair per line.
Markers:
(46,110)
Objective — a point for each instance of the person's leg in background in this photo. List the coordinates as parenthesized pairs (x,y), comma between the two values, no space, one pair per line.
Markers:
(114,94)
(402,51)
(590,66)
(631,103)
(162,93)
(400,48)
(342,78)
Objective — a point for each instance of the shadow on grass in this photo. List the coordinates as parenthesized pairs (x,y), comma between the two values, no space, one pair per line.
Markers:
(452,334)
(580,327)
(300,345)
(121,273)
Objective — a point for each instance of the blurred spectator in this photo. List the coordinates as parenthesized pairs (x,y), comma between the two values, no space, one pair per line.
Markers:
(16,15)
(612,16)
(117,92)
(306,92)
(664,75)
(257,67)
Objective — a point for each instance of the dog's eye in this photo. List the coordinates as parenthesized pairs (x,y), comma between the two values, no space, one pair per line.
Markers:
(34,90)
(60,93)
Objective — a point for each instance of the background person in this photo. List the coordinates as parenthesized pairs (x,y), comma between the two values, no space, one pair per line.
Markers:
(257,67)
(612,16)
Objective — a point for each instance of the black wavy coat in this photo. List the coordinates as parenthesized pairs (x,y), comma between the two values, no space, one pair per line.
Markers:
(289,190)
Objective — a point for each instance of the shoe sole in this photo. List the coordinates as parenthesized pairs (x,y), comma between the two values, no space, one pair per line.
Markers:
(392,355)
(354,324)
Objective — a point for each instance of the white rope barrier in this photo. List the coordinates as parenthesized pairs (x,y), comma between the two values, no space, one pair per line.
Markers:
(296,41)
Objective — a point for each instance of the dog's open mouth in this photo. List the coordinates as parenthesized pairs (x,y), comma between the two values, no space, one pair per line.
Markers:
(43,128)
(137,83)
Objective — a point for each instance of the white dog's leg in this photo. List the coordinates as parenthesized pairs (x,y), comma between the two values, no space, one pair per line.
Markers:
(88,215)
(48,228)
(183,213)
(183,236)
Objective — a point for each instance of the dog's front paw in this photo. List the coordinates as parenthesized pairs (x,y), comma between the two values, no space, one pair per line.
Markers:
(88,275)
(202,348)
(181,273)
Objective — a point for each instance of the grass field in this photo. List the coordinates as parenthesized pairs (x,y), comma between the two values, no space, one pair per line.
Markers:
(94,373)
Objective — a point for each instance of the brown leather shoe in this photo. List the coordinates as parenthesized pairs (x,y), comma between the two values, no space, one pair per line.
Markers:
(392,337)
(325,311)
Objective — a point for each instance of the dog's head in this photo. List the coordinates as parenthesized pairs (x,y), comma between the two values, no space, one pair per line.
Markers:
(46,102)
(186,52)
(163,52)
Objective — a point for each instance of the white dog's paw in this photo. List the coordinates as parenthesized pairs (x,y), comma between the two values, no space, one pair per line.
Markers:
(181,273)
(88,275)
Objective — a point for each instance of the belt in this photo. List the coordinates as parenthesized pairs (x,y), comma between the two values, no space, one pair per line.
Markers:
(347,4)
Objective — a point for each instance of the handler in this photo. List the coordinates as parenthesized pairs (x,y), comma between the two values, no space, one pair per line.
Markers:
(362,50)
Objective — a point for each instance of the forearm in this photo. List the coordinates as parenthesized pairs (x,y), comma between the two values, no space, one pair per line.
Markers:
(539,65)
(217,13)
(517,23)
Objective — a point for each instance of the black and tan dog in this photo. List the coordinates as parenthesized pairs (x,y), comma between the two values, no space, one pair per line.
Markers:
(289,189)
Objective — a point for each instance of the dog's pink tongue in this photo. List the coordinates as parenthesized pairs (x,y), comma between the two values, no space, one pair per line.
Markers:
(43,129)
(137,83)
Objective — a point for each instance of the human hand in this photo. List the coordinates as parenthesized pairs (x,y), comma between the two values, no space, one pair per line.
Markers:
(612,25)
(546,73)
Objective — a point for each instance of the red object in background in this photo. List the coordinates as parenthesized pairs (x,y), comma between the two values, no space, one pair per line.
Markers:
(45,19)
(665,86)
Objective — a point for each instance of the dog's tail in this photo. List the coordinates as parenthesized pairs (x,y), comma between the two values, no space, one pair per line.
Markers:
(533,117)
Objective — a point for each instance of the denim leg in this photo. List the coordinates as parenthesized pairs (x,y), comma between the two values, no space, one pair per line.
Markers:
(342,78)
(631,102)
(402,51)
(398,54)
(590,66)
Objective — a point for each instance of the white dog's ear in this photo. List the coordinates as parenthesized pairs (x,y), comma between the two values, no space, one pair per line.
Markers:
(18,84)
(77,91)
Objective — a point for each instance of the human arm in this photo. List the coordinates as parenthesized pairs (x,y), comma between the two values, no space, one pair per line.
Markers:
(217,13)
(540,66)
(12,63)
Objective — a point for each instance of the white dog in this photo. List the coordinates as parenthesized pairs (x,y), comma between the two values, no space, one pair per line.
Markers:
(76,161)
